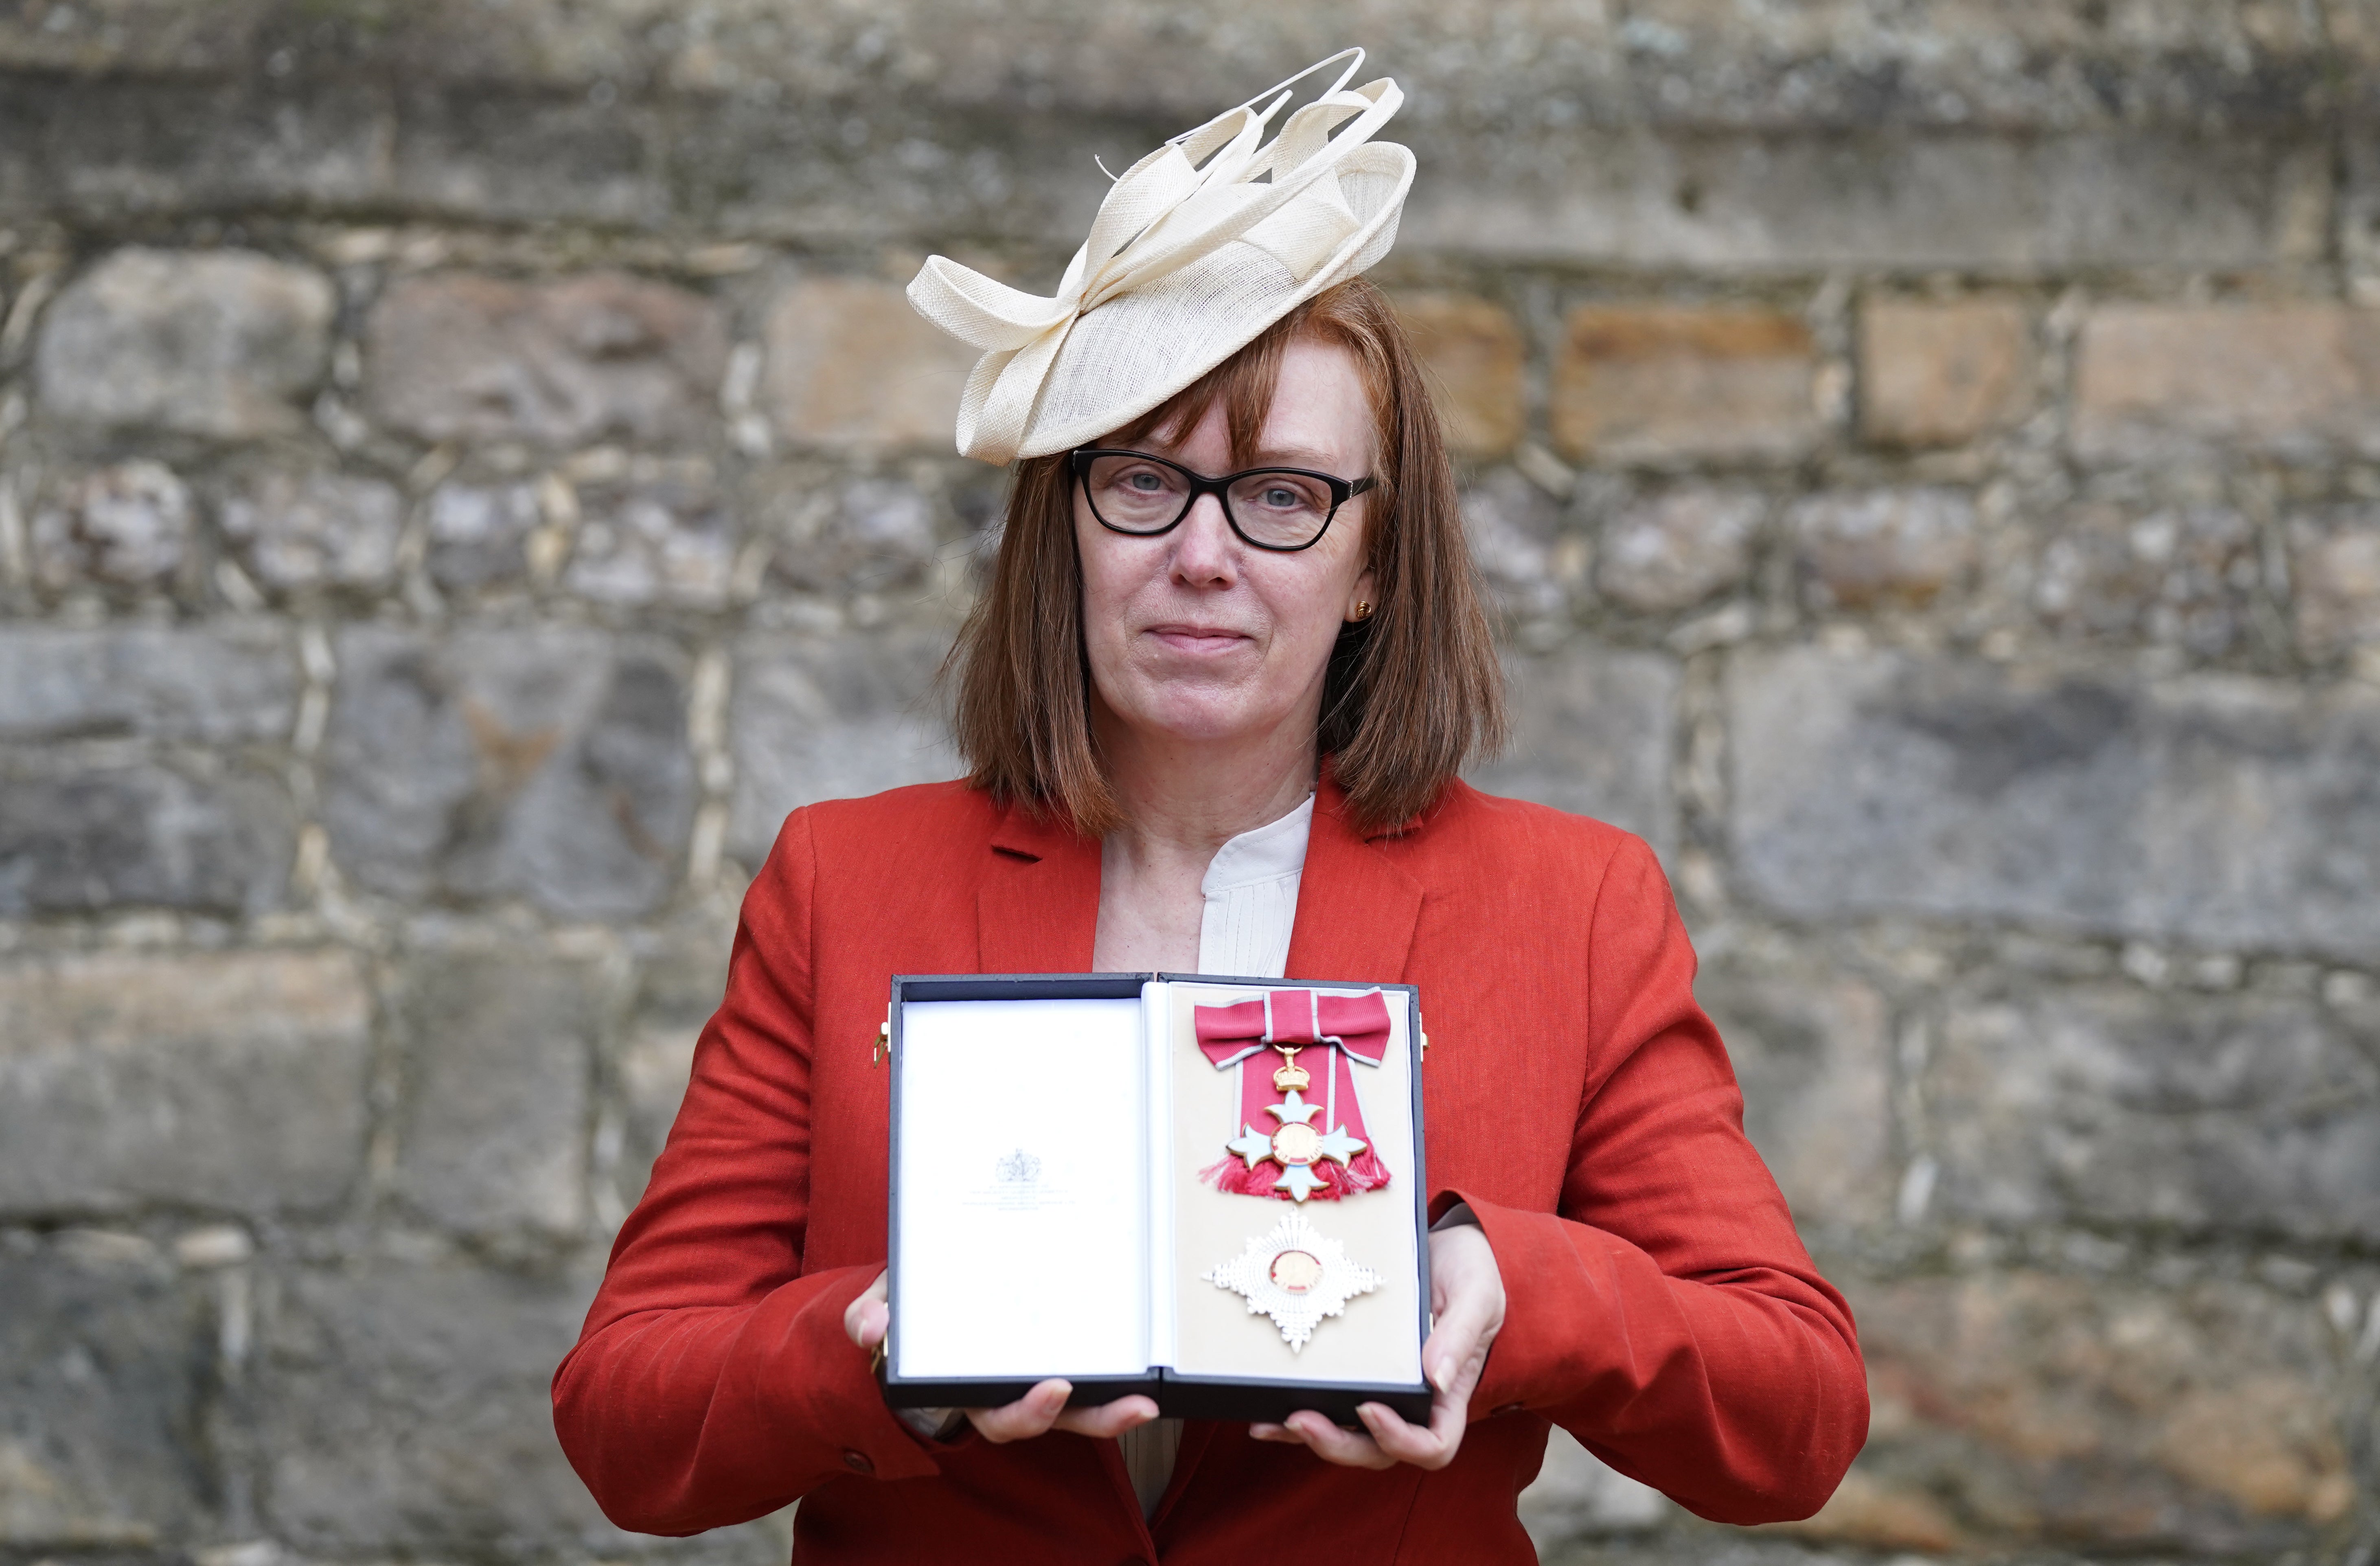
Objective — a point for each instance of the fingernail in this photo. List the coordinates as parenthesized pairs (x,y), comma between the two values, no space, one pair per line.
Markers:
(1442,1378)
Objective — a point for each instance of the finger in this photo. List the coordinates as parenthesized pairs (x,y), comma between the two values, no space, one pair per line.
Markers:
(1460,1336)
(1449,1417)
(1349,1449)
(1109,1420)
(1442,1355)
(1454,1370)
(868,1321)
(869,1306)
(1423,1446)
(1029,1415)
(1270,1432)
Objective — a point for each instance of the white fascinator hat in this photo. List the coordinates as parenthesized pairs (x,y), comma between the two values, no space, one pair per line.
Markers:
(1196,250)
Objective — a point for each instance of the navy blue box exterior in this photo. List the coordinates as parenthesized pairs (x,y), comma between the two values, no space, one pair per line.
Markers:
(1177,1396)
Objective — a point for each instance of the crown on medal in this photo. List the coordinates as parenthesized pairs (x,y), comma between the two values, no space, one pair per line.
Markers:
(1291,1076)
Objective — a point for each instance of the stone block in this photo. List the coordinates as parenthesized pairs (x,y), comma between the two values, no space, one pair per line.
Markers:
(1869,1514)
(827,717)
(2335,579)
(229,683)
(296,532)
(404,1406)
(230,1080)
(1576,1494)
(1698,62)
(80,834)
(2184,575)
(1671,551)
(1811,1053)
(678,988)
(682,977)
(124,526)
(548,764)
(1663,383)
(654,1067)
(2291,380)
(863,534)
(215,343)
(667,539)
(473,151)
(1782,199)
(2023,1411)
(1942,374)
(499,1055)
(184,149)
(2359,217)
(103,1389)
(850,364)
(1873,547)
(1517,537)
(462,355)
(2217,811)
(478,535)
(1861,142)
(1473,352)
(1592,733)
(2247,1117)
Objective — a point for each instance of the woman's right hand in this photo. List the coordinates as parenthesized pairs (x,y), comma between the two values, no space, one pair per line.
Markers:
(1036,1412)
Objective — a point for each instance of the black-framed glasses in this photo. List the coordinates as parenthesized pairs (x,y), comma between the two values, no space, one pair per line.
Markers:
(1275,508)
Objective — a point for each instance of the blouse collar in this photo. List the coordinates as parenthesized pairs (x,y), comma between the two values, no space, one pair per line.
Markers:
(1272,852)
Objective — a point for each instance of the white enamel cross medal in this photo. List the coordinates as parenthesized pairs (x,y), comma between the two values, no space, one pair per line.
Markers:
(1295,1144)
(1295,1276)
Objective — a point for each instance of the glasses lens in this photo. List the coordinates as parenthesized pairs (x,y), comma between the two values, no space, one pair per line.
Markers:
(1279,508)
(1135,493)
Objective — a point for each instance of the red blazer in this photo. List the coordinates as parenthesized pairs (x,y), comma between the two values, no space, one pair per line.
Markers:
(1662,1309)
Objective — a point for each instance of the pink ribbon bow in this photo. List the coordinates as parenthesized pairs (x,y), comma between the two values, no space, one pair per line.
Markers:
(1343,1028)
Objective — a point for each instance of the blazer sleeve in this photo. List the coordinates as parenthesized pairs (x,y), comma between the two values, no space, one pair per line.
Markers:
(1668,1315)
(713,1382)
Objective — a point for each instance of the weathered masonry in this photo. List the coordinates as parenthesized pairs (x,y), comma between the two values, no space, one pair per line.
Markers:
(467,471)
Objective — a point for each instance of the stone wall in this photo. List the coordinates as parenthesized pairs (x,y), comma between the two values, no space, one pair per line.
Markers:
(467,471)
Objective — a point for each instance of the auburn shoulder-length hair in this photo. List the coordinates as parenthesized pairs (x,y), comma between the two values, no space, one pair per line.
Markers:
(1411,693)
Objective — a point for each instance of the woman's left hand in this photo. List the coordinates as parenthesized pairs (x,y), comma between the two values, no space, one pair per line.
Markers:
(1467,1295)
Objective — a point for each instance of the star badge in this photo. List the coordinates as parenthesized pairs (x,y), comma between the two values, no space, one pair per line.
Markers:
(1297,1276)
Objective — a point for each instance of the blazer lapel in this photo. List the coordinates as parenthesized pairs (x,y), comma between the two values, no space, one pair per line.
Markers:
(1037,909)
(1356,911)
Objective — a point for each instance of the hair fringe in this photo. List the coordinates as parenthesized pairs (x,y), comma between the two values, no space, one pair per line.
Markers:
(1410,696)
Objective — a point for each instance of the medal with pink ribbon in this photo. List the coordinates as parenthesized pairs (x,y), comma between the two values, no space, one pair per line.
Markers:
(1295,1141)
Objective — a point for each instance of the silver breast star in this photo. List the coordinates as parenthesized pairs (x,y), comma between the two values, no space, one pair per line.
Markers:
(1297,1276)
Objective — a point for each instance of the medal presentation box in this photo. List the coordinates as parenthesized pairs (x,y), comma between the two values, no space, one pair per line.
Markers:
(1205,1190)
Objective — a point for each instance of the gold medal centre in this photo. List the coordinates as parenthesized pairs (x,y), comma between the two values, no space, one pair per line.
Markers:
(1296,1272)
(1297,1144)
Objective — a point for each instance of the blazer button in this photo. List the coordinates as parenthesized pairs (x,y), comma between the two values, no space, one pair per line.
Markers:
(1508,1408)
(857,1460)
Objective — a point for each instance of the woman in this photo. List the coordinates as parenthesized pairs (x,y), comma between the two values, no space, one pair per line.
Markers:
(1215,727)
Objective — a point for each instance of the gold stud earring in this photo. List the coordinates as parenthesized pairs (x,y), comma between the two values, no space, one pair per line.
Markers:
(1364,609)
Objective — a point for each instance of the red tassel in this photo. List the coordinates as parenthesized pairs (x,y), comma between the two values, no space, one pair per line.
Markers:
(1233,1177)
